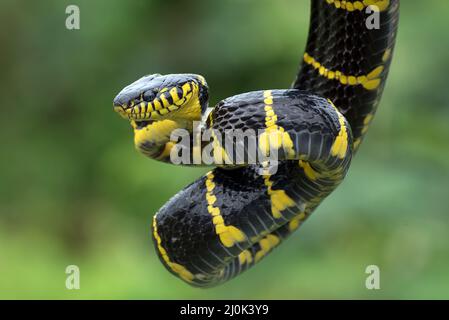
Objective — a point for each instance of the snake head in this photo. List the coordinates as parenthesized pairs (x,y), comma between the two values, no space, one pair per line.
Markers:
(156,97)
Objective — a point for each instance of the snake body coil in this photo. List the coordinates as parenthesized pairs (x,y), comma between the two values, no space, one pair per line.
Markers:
(229,219)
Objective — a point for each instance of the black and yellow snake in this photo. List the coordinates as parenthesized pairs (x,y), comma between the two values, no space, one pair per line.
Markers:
(229,219)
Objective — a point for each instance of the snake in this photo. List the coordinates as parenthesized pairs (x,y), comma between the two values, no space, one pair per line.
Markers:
(232,217)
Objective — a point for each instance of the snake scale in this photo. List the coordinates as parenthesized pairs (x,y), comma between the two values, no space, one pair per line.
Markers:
(226,221)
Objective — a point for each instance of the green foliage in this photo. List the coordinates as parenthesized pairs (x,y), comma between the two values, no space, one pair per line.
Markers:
(74,191)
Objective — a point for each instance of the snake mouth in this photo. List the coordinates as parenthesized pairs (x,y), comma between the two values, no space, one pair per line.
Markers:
(156,104)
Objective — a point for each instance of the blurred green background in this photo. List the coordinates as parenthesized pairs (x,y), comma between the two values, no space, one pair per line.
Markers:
(74,190)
